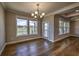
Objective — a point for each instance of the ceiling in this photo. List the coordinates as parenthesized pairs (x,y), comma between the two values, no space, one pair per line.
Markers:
(74,12)
(30,7)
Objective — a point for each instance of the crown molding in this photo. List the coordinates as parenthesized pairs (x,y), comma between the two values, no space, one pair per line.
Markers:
(3,5)
(64,9)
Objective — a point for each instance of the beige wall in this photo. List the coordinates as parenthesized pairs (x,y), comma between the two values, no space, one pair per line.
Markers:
(56,28)
(75,28)
(2,27)
(11,27)
(50,21)
(72,28)
(76,24)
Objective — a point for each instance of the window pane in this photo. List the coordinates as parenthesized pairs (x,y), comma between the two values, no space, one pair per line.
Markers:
(68,27)
(64,27)
(46,29)
(21,27)
(60,30)
(61,27)
(33,27)
(61,23)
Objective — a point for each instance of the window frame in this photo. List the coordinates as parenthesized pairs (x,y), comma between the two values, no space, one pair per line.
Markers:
(23,18)
(61,26)
(46,29)
(29,26)
(65,28)
(28,32)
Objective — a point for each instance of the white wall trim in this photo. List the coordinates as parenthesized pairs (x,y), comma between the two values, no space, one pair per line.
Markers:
(2,48)
(18,41)
(61,38)
(64,9)
(65,37)
(75,35)
(3,4)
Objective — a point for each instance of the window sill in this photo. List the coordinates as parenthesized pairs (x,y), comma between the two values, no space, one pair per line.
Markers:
(64,34)
(27,35)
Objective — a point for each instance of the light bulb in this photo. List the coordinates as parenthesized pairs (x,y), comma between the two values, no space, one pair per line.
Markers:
(36,12)
(43,14)
(77,10)
(35,16)
(32,14)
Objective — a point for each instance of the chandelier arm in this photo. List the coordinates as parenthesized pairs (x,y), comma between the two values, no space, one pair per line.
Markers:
(37,13)
(38,10)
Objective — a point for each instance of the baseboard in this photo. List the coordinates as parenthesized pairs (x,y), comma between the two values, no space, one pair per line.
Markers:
(13,42)
(75,35)
(48,40)
(2,48)
(61,38)
(66,37)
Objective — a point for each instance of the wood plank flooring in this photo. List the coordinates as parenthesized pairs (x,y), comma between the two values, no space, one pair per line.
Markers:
(40,47)
(31,48)
(67,47)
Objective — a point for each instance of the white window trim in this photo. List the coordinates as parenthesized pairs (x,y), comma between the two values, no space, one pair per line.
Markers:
(28,32)
(65,27)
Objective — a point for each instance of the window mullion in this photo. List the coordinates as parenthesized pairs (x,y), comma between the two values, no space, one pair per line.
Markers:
(28,27)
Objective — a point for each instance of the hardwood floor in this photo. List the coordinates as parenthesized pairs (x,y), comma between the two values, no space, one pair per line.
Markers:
(66,47)
(31,48)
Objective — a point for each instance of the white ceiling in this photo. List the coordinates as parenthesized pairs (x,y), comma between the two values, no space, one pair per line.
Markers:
(29,7)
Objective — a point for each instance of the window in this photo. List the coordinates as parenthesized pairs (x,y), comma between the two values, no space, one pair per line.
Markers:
(46,29)
(26,27)
(68,27)
(63,27)
(21,27)
(32,27)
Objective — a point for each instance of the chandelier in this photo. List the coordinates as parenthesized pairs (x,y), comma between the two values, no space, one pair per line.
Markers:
(37,13)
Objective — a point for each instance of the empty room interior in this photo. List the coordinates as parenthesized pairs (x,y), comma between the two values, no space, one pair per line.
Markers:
(39,29)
